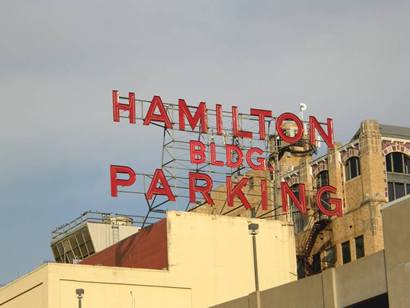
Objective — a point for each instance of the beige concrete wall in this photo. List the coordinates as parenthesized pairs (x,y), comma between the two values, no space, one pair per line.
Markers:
(222,248)
(29,290)
(397,238)
(333,288)
(210,261)
(112,287)
(360,280)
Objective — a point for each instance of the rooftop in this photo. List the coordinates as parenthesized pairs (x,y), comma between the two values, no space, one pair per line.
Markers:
(395,131)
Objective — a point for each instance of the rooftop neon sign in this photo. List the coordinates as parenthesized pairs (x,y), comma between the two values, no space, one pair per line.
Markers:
(196,119)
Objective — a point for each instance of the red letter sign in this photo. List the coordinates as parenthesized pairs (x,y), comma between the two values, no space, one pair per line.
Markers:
(219,123)
(117,106)
(261,114)
(161,117)
(335,201)
(214,162)
(200,116)
(235,125)
(230,148)
(203,189)
(328,138)
(286,191)
(236,191)
(197,152)
(163,189)
(260,160)
(115,182)
(289,117)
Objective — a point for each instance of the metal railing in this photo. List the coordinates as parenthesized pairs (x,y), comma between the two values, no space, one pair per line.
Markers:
(99,217)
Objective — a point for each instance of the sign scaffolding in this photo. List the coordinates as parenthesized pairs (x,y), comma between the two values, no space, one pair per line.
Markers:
(225,159)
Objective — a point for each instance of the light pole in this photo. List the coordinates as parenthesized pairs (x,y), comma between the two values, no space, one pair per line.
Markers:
(80,293)
(253,230)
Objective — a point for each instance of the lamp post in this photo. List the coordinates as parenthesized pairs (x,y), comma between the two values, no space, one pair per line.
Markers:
(80,293)
(253,230)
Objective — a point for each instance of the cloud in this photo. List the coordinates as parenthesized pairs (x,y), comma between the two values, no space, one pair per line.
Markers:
(60,61)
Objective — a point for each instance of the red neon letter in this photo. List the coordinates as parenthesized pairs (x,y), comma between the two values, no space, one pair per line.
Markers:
(115,182)
(117,106)
(337,211)
(203,189)
(161,117)
(261,114)
(264,194)
(236,191)
(286,191)
(197,152)
(328,138)
(164,189)
(235,125)
(214,162)
(260,160)
(230,148)
(289,117)
(200,116)
(219,126)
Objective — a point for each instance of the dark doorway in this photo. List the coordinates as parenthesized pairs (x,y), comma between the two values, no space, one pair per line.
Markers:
(380,301)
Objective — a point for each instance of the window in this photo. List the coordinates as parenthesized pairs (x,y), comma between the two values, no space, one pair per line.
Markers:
(390,188)
(397,190)
(316,266)
(398,162)
(331,256)
(298,219)
(75,247)
(359,241)
(56,253)
(300,267)
(322,179)
(352,168)
(346,252)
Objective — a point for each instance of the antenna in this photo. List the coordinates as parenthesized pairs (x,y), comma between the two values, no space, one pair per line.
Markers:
(302,107)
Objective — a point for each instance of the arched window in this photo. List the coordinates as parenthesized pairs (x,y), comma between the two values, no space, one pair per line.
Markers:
(398,171)
(352,168)
(299,219)
(398,162)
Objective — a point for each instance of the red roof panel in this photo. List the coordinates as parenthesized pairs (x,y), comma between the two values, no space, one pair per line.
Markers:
(145,249)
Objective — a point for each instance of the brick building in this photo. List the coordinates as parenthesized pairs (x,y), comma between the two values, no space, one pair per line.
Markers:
(371,169)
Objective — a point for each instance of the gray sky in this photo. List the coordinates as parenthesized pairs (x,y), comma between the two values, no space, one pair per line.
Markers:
(59,61)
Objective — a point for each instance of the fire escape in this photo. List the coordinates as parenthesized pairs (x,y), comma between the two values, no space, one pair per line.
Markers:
(316,225)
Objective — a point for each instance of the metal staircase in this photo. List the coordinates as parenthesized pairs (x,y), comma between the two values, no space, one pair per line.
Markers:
(317,224)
